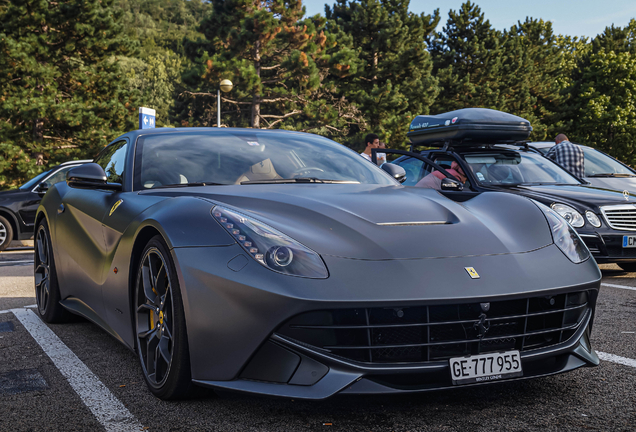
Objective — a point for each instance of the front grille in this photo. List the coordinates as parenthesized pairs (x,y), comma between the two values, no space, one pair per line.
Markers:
(620,217)
(439,332)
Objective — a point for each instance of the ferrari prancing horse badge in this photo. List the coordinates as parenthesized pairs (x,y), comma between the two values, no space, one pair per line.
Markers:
(472,272)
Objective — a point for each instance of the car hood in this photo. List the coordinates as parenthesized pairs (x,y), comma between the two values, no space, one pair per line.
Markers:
(614,183)
(579,195)
(387,222)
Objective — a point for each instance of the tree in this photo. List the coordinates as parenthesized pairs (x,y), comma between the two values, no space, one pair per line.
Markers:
(603,110)
(279,63)
(60,97)
(395,82)
(531,73)
(467,58)
(157,78)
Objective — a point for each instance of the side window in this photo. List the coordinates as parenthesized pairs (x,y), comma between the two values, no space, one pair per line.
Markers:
(415,170)
(113,160)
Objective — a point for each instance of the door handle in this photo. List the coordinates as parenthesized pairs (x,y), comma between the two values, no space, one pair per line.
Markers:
(61,209)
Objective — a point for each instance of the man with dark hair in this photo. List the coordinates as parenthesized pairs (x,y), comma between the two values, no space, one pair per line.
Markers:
(568,155)
(372,141)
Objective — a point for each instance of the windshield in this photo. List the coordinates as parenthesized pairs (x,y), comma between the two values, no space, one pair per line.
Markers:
(512,168)
(248,157)
(597,163)
(35,180)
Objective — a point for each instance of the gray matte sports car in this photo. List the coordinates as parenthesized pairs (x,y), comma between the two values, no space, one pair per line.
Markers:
(285,264)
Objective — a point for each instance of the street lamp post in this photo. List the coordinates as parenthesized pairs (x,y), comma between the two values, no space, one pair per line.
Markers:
(225,86)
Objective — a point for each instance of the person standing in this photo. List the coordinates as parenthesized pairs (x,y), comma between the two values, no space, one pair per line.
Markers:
(568,155)
(371,141)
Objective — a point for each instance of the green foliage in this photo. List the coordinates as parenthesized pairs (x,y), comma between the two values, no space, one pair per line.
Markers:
(60,97)
(74,72)
(395,81)
(468,56)
(604,113)
(156,78)
(280,63)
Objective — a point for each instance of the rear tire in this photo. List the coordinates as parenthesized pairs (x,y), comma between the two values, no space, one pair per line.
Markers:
(47,290)
(628,267)
(160,330)
(6,233)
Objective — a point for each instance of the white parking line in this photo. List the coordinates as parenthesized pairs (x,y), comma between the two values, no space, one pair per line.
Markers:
(618,286)
(108,410)
(616,359)
(13,262)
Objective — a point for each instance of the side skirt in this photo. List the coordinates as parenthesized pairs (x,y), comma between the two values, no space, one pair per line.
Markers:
(78,307)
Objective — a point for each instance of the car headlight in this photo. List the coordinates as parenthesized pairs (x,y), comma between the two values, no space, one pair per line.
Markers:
(571,216)
(270,247)
(593,219)
(564,236)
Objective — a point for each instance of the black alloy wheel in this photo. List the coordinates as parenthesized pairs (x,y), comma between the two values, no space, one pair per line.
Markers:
(6,233)
(47,291)
(160,325)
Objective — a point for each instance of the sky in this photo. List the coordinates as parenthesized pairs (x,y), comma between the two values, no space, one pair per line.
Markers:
(569,17)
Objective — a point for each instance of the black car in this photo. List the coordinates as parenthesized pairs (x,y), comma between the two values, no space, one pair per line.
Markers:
(283,263)
(489,147)
(18,206)
(601,170)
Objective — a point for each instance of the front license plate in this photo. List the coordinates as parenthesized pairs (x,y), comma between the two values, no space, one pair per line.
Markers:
(629,241)
(485,367)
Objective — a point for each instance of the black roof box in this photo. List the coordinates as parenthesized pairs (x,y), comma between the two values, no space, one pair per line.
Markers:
(468,126)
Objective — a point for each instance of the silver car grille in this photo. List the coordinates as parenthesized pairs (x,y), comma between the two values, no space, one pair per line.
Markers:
(620,217)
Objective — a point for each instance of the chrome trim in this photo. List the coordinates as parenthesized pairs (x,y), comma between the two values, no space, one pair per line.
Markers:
(589,235)
(413,223)
(628,216)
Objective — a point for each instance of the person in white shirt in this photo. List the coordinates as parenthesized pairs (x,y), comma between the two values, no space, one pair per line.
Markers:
(372,141)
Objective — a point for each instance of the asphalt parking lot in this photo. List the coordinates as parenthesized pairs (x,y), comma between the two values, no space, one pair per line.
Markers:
(106,389)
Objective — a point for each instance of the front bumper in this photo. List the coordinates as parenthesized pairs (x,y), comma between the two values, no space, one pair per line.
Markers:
(234,316)
(607,246)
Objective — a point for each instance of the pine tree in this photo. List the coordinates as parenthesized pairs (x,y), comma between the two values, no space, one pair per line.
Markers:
(279,63)
(61,96)
(467,58)
(395,82)
(530,74)
(601,109)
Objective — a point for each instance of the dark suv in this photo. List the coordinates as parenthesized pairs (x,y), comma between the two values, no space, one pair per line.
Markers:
(18,206)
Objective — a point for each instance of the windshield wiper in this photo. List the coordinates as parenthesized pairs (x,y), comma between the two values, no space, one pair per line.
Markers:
(299,180)
(190,184)
(611,175)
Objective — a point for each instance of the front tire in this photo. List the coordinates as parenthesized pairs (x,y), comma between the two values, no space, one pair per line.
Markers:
(47,290)
(162,341)
(628,267)
(6,233)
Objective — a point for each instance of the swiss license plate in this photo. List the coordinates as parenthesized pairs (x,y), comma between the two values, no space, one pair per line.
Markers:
(485,367)
(629,241)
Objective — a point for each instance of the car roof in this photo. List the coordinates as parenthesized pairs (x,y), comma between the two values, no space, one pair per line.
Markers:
(139,132)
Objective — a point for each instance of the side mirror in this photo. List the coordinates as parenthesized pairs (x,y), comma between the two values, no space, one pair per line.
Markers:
(395,171)
(449,184)
(41,188)
(90,176)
